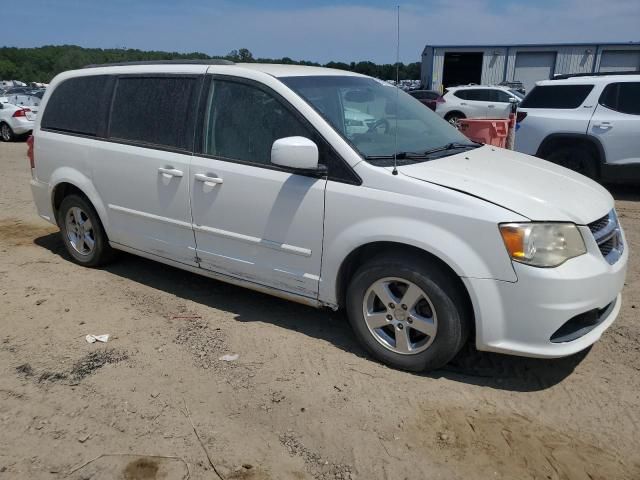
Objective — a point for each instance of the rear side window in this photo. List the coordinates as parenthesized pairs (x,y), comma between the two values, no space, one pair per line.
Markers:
(155,110)
(79,105)
(622,97)
(556,96)
(477,94)
(461,94)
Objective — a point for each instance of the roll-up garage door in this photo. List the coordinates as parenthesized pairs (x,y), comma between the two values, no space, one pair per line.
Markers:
(534,66)
(620,61)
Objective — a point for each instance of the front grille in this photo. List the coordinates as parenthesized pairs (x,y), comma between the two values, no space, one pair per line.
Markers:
(599,224)
(607,234)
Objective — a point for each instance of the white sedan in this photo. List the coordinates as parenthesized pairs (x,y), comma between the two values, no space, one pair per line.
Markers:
(15,120)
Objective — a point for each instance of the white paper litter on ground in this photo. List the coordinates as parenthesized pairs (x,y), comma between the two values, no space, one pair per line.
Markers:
(97,338)
(229,358)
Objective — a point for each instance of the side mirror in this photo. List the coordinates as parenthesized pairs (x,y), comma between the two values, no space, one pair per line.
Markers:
(295,152)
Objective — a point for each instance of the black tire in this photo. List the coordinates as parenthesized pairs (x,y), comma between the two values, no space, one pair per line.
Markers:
(454,117)
(6,133)
(449,302)
(101,253)
(575,157)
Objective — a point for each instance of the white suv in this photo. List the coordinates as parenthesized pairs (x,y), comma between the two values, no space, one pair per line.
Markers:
(590,124)
(251,175)
(477,101)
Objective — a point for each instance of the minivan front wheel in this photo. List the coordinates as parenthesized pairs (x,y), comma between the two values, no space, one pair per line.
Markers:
(407,313)
(82,232)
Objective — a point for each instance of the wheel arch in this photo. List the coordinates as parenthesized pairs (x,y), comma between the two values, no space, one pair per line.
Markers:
(370,250)
(455,112)
(556,139)
(67,181)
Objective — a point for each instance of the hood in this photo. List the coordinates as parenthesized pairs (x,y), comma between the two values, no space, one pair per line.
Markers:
(534,188)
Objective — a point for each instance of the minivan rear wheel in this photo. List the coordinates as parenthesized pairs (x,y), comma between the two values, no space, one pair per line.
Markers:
(408,313)
(82,232)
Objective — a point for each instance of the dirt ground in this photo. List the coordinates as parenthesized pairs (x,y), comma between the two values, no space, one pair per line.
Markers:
(302,401)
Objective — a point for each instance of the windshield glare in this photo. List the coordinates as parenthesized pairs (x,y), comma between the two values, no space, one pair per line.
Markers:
(369,112)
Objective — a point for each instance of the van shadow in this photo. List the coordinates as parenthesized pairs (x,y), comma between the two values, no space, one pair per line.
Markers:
(497,371)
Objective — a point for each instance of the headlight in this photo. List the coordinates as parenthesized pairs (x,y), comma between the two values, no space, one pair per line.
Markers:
(542,244)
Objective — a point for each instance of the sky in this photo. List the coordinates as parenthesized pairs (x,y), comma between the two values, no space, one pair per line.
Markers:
(324,30)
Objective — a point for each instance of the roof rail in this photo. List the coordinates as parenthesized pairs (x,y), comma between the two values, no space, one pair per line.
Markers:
(594,74)
(211,61)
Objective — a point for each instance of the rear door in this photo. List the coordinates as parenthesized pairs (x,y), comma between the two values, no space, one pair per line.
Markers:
(254,220)
(482,102)
(472,102)
(616,122)
(499,106)
(141,171)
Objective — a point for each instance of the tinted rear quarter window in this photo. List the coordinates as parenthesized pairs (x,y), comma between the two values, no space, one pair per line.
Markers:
(478,94)
(155,110)
(556,96)
(622,97)
(79,105)
(463,94)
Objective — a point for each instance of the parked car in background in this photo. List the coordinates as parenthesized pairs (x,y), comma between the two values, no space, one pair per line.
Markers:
(514,85)
(590,124)
(356,121)
(11,83)
(15,121)
(17,90)
(430,98)
(476,101)
(252,177)
(28,99)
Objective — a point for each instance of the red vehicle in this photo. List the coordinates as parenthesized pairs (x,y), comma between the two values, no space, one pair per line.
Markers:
(430,98)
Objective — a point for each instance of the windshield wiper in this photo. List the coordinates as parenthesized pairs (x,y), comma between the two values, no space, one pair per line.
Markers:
(451,146)
(399,156)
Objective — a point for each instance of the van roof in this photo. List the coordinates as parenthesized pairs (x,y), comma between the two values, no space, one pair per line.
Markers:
(273,69)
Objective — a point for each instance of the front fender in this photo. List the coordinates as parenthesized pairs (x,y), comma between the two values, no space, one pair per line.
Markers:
(459,229)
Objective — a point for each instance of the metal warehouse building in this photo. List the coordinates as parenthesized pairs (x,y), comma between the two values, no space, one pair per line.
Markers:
(444,66)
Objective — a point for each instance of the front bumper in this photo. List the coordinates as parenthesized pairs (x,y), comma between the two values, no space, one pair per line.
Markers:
(522,317)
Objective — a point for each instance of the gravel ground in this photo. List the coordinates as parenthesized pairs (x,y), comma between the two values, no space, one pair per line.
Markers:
(302,401)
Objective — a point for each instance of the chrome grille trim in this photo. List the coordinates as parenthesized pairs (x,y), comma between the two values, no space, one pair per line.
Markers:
(607,234)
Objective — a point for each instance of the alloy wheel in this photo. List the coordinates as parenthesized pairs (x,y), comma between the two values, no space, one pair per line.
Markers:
(400,315)
(80,231)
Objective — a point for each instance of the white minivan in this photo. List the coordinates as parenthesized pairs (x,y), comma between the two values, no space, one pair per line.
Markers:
(252,174)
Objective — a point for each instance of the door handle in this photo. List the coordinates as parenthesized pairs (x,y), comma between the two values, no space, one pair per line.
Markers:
(170,172)
(210,181)
(491,106)
(462,103)
(603,125)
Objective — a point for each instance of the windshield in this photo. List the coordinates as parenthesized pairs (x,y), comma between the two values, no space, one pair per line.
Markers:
(517,93)
(363,110)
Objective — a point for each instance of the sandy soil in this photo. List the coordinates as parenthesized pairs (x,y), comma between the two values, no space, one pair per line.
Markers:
(302,401)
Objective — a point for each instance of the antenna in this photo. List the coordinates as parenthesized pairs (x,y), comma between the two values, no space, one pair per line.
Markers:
(395,154)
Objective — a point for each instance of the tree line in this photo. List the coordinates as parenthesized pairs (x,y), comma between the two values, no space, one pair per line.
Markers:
(41,64)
